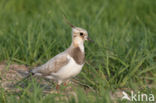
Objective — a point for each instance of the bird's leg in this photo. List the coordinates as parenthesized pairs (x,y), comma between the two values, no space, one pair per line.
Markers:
(57,86)
(65,84)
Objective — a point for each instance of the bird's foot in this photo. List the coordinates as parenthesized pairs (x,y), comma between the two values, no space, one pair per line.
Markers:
(57,87)
(65,84)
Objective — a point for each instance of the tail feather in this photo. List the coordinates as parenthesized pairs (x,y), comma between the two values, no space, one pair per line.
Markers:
(30,74)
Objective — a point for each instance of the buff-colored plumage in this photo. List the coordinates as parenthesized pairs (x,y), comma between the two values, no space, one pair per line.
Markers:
(67,64)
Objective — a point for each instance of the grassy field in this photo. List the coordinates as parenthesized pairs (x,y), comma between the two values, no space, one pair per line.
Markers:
(123,55)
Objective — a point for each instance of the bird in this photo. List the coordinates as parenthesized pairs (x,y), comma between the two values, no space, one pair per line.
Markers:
(68,63)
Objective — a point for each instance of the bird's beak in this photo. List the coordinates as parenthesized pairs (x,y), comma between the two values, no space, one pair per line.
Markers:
(90,39)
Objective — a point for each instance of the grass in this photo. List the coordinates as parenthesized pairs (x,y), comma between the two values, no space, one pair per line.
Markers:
(123,55)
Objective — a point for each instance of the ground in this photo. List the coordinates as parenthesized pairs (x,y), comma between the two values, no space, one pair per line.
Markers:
(122,57)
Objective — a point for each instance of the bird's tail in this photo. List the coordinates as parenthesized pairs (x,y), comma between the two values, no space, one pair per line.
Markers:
(29,75)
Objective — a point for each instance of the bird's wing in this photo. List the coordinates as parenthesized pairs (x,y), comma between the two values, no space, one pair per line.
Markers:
(53,65)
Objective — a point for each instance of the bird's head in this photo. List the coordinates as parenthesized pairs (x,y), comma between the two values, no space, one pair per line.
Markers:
(79,35)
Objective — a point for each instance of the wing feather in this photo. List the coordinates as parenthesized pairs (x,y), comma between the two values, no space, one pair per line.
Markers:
(53,65)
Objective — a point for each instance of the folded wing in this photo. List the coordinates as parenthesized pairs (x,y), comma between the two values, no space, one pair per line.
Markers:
(53,65)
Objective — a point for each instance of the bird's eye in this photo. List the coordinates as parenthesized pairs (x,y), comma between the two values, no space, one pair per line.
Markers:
(81,34)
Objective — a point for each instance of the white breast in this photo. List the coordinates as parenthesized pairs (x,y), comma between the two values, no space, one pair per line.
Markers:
(69,70)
